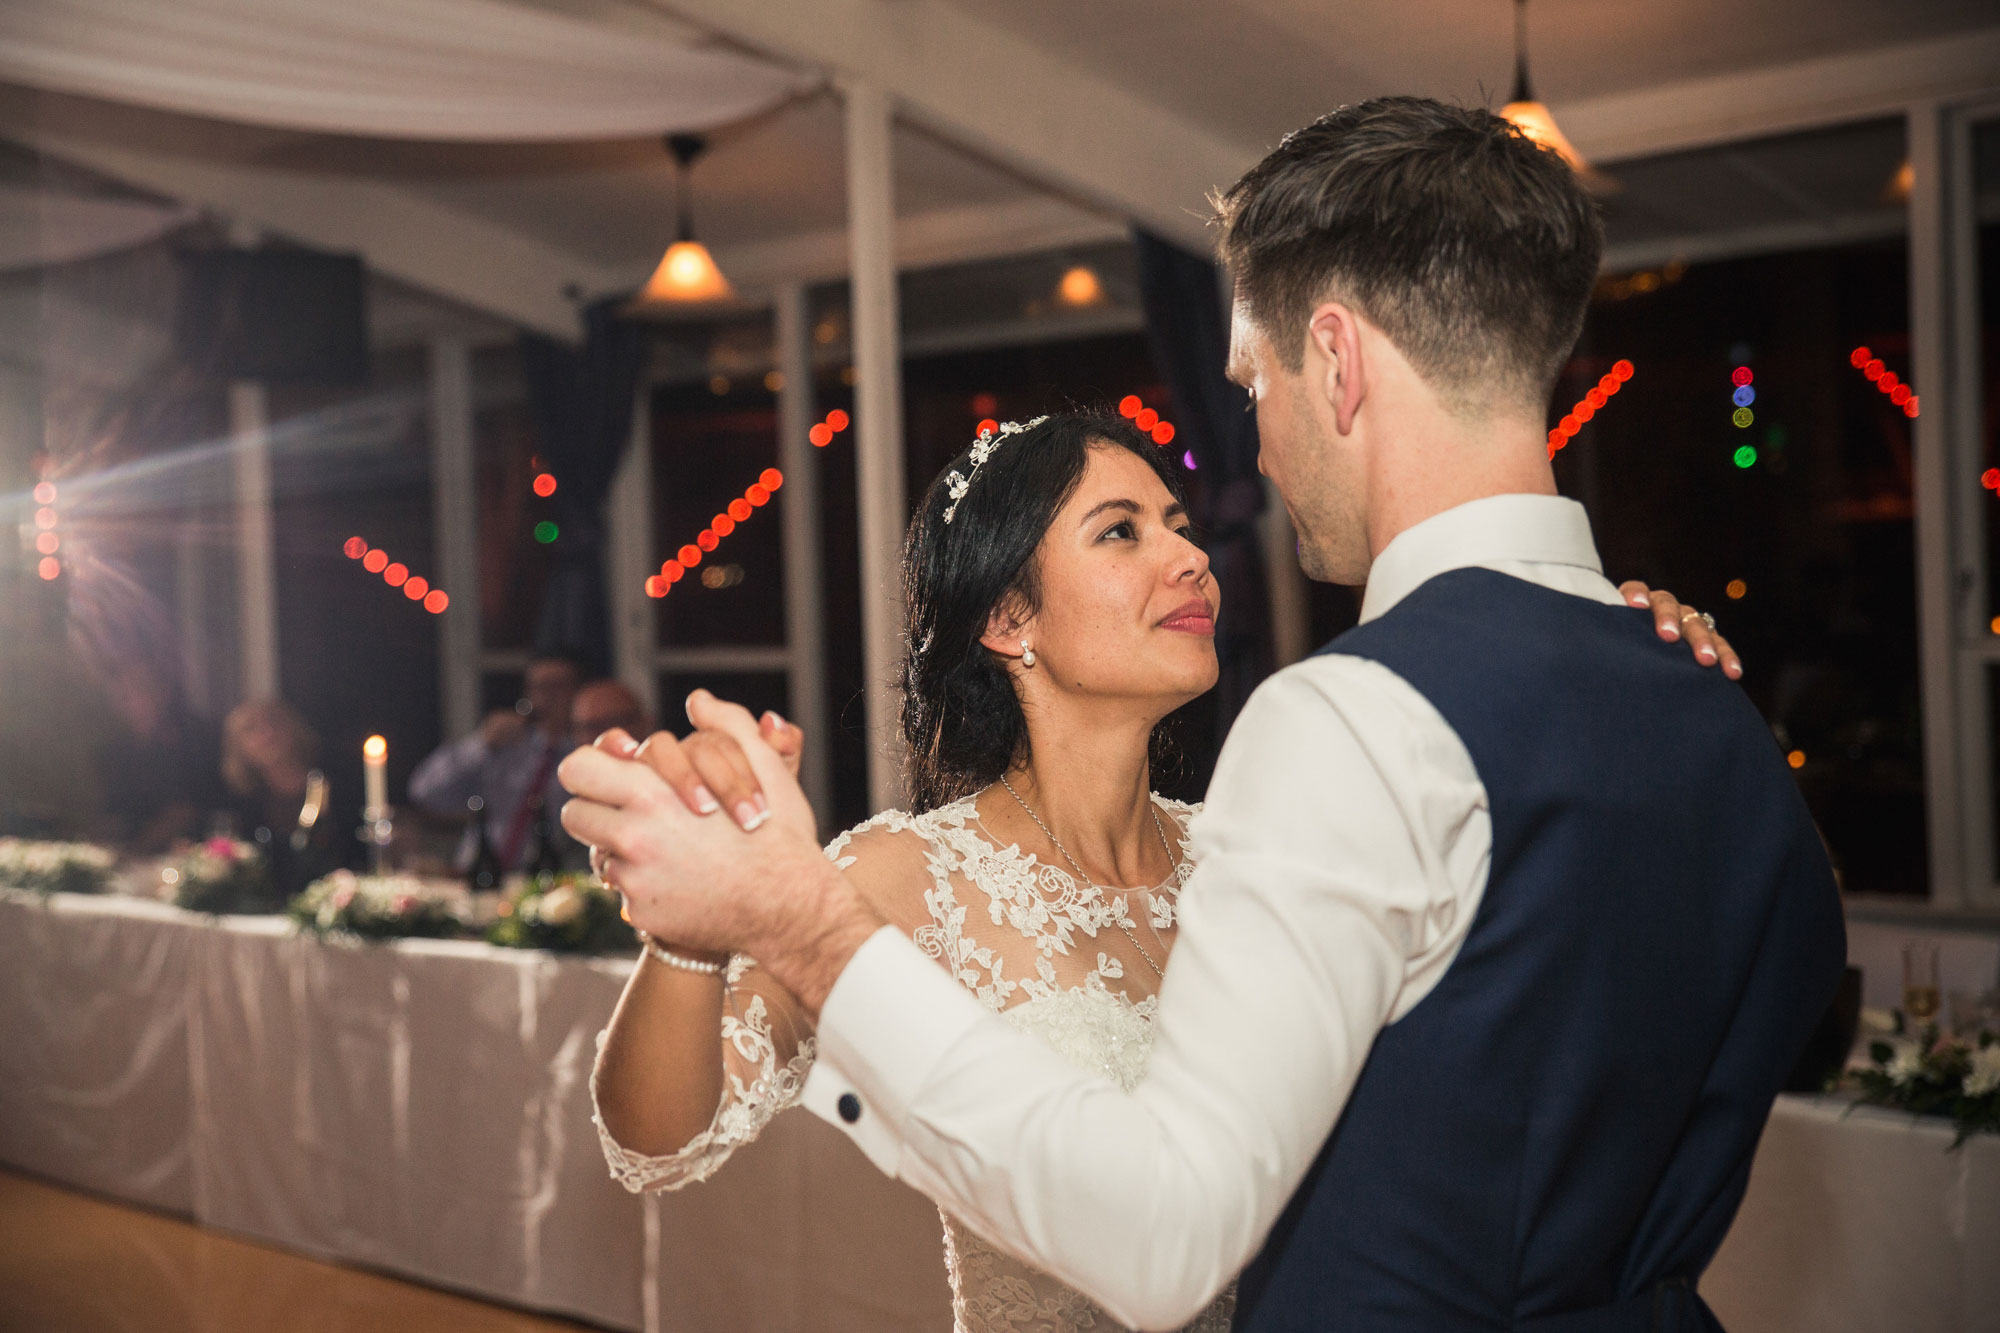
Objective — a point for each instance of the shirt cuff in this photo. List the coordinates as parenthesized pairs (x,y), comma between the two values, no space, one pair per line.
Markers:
(890,1018)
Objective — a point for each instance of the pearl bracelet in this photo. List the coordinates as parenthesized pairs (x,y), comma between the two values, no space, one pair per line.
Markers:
(665,955)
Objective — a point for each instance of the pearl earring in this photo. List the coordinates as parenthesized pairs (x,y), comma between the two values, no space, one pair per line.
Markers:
(1027,655)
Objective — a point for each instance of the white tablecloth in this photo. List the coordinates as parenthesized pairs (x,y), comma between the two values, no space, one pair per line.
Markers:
(1862,1221)
(424,1108)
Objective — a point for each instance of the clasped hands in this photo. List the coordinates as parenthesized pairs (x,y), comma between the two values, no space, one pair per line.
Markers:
(753,882)
(756,881)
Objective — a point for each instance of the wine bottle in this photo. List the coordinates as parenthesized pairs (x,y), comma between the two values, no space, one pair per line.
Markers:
(484,874)
(544,856)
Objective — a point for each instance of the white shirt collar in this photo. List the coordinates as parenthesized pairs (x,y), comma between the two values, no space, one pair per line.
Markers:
(1489,533)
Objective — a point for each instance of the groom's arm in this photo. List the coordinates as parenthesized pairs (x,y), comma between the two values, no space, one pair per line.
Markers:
(1342,853)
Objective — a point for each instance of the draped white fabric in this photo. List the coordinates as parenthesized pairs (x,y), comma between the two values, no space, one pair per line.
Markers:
(429,69)
(1862,1220)
(423,1108)
(40,227)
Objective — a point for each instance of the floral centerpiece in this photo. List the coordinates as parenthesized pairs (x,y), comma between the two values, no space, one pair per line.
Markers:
(1938,1075)
(375,907)
(220,875)
(55,867)
(571,913)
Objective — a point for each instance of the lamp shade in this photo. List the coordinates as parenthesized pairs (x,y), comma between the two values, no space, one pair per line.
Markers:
(687,272)
(1534,120)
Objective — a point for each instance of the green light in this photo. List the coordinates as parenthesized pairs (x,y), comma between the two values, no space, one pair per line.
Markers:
(1742,416)
(1746,456)
(546,532)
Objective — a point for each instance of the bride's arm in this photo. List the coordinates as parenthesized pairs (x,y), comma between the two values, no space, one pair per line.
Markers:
(693,1066)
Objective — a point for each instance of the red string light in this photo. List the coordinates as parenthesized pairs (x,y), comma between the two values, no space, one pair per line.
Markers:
(823,432)
(545,484)
(396,574)
(1602,392)
(1132,407)
(1885,379)
(722,525)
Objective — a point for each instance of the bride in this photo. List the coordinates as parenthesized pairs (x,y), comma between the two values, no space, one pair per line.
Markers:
(1059,609)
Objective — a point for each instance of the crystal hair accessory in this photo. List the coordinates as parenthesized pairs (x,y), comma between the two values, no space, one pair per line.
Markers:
(982,449)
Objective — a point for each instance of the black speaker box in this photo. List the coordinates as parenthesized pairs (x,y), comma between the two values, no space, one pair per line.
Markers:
(279,315)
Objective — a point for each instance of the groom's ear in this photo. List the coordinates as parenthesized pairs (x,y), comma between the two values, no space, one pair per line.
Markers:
(1334,361)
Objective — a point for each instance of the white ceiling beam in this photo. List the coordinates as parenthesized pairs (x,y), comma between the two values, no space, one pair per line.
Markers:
(1780,99)
(1004,98)
(923,240)
(465,259)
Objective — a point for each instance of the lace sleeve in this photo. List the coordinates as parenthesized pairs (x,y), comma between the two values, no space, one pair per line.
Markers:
(762,1073)
(765,1060)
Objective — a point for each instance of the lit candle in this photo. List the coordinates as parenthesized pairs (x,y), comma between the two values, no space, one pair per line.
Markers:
(375,774)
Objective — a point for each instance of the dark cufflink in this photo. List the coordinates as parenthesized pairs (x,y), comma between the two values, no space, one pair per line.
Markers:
(849,1106)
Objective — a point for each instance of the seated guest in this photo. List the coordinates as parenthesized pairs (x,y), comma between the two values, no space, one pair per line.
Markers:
(159,771)
(510,763)
(268,755)
(604,704)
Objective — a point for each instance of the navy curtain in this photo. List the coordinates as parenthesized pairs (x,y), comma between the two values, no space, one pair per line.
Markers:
(582,401)
(1188,330)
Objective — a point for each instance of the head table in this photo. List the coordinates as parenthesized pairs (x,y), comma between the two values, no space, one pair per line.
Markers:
(423,1107)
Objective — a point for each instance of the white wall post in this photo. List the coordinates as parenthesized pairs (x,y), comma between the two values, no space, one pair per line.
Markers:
(256,558)
(455,520)
(798,511)
(635,630)
(1937,594)
(878,427)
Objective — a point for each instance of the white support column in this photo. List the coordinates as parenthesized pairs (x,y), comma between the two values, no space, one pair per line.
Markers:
(798,510)
(1937,595)
(635,629)
(455,522)
(256,559)
(878,426)
(191,603)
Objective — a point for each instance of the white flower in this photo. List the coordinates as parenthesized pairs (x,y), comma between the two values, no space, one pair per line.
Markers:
(1984,1076)
(561,905)
(1907,1064)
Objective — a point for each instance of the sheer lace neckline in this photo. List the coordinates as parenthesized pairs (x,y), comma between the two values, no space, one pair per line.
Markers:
(1032,941)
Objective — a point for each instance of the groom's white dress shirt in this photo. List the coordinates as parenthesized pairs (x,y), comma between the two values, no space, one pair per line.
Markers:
(1342,854)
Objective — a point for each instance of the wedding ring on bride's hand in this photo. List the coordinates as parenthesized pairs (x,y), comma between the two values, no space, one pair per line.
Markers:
(661,953)
(1704,617)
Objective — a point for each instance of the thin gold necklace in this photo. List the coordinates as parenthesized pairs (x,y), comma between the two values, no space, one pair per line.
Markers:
(1056,842)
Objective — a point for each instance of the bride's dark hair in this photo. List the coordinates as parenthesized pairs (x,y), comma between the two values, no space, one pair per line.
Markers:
(961,718)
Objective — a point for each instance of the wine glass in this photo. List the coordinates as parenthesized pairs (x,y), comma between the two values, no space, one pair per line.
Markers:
(1920,983)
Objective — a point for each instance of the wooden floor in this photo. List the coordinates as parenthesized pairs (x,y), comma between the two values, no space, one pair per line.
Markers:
(73,1263)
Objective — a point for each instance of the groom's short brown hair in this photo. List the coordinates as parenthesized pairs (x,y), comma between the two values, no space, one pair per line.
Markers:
(1470,246)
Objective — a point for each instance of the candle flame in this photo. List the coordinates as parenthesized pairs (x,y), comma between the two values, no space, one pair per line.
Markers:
(375,747)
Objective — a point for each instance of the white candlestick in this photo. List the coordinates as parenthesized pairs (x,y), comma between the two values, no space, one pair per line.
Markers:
(375,776)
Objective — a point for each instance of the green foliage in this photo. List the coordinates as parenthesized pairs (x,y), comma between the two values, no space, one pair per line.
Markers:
(568,913)
(385,907)
(1938,1076)
(55,867)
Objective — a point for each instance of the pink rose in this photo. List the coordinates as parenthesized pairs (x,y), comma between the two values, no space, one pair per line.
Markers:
(342,896)
(402,903)
(221,847)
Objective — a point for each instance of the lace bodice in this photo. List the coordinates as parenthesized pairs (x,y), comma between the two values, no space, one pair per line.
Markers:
(1033,944)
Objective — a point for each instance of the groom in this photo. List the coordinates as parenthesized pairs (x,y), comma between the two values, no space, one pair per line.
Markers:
(1477,1026)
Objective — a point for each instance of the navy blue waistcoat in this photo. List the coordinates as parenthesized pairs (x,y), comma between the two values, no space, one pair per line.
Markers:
(1556,1137)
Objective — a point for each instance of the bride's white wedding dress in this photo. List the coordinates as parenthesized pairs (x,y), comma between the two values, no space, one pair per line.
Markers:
(1045,952)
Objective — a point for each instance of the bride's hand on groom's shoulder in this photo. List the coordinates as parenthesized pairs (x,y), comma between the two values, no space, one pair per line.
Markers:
(1675,622)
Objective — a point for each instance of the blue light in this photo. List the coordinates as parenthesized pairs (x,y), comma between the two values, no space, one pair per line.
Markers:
(1188,459)
(1744,395)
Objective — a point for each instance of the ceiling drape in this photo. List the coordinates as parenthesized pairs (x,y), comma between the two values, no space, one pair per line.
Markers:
(423,69)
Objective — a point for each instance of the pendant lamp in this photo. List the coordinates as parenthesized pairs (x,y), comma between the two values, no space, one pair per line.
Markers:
(687,272)
(1530,115)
